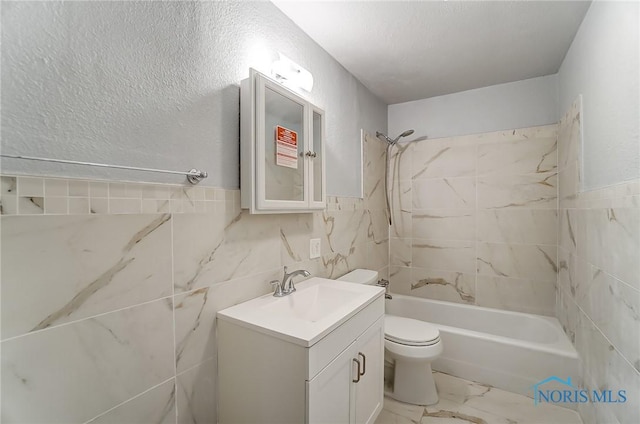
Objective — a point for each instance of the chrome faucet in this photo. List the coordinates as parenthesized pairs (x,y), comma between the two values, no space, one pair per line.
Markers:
(385,283)
(286,286)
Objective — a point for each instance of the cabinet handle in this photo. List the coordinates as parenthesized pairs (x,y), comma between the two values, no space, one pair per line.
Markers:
(313,154)
(364,363)
(357,362)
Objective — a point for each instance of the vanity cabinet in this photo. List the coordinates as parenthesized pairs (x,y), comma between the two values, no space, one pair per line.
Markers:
(349,389)
(282,149)
(264,378)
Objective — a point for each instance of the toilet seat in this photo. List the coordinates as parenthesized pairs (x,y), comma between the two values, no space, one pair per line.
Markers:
(410,332)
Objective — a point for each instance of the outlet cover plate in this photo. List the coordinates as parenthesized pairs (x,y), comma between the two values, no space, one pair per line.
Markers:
(314,248)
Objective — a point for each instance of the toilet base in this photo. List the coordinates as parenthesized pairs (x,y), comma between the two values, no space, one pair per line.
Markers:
(414,383)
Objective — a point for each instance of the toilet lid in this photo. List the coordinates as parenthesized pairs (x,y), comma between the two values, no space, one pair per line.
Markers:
(409,331)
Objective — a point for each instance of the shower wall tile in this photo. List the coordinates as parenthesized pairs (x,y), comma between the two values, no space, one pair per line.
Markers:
(567,313)
(444,224)
(567,230)
(569,184)
(400,163)
(437,159)
(158,405)
(513,157)
(516,294)
(483,197)
(567,272)
(377,255)
(612,242)
(570,135)
(374,155)
(599,277)
(401,196)
(377,225)
(400,252)
(530,226)
(535,191)
(400,279)
(450,193)
(86,265)
(613,307)
(457,256)
(443,285)
(111,358)
(518,261)
(605,367)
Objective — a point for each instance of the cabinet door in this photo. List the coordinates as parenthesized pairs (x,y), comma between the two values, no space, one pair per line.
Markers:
(317,190)
(281,164)
(369,391)
(330,393)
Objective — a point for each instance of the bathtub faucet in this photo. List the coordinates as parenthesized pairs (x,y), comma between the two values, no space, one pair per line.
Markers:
(385,283)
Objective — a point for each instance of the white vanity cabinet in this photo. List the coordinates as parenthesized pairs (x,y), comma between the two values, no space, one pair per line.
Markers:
(349,389)
(282,149)
(266,378)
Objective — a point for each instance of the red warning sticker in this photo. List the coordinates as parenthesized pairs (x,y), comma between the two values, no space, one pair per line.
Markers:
(286,147)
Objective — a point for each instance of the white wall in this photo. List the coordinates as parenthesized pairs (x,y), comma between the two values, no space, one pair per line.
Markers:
(156,84)
(517,104)
(602,65)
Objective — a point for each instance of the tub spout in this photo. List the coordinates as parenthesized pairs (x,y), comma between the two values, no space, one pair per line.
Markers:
(385,283)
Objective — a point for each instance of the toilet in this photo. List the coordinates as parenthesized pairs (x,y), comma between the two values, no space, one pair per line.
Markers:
(412,345)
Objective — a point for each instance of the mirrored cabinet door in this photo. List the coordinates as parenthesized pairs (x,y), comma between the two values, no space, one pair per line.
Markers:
(284,160)
(317,163)
(282,149)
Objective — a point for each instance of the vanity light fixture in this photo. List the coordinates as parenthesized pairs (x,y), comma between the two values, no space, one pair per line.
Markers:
(290,74)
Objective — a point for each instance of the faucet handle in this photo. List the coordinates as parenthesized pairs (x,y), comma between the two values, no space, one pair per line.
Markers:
(277,292)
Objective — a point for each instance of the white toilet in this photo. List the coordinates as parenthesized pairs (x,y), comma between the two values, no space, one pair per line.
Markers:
(412,345)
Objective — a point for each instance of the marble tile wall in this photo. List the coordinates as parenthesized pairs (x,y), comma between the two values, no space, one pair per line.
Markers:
(110,290)
(475,219)
(598,296)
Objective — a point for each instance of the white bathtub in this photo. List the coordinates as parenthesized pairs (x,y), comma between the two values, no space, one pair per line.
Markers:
(507,350)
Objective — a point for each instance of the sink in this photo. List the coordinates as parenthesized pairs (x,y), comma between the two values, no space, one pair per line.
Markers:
(310,304)
(304,317)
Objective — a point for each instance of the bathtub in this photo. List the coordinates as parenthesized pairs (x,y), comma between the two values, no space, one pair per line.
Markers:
(508,350)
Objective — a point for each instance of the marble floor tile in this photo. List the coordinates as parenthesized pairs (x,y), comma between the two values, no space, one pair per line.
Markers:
(464,402)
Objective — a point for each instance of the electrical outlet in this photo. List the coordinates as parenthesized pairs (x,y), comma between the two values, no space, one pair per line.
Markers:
(314,248)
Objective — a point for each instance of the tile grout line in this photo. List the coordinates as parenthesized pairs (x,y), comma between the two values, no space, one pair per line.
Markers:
(173,315)
(128,400)
(76,321)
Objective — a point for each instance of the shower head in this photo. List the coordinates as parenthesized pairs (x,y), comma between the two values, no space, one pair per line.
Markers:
(384,137)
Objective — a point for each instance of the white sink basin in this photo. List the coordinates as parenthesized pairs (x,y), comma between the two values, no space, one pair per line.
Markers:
(310,304)
(305,316)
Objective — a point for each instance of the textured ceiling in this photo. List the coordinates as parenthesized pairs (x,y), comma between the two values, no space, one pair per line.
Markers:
(409,50)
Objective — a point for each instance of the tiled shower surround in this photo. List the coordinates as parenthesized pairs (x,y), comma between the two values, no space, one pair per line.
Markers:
(110,290)
(497,220)
(475,219)
(598,293)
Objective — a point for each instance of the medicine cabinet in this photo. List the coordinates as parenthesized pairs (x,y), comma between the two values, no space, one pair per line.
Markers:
(282,149)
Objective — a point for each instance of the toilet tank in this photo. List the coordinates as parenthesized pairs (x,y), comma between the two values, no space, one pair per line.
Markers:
(360,276)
